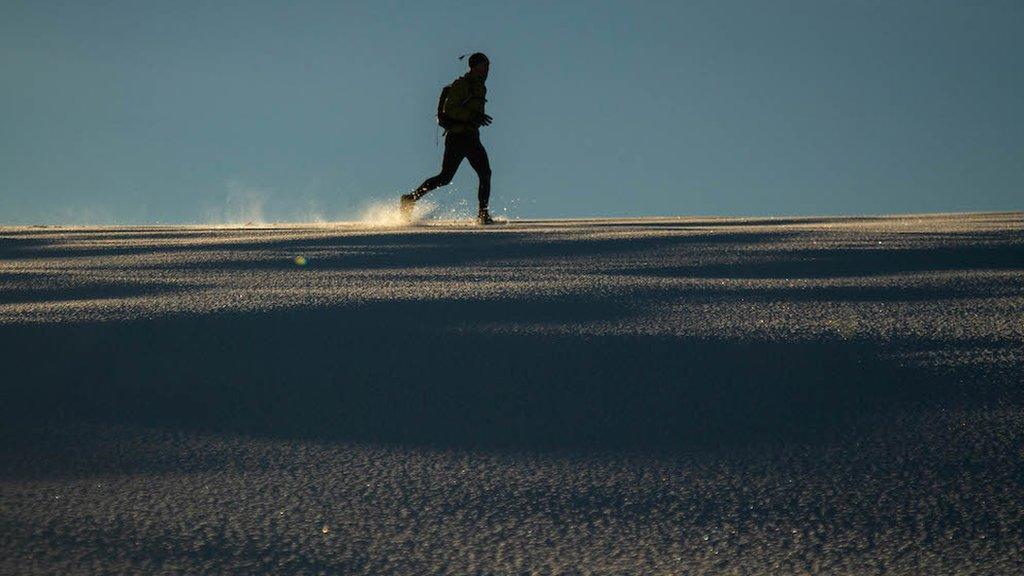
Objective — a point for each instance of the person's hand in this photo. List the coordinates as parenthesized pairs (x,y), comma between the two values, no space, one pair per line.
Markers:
(483,120)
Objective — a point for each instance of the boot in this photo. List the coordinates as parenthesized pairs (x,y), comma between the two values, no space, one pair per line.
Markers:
(405,206)
(484,217)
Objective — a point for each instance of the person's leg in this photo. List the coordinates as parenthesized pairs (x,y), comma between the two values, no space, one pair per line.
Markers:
(477,156)
(454,151)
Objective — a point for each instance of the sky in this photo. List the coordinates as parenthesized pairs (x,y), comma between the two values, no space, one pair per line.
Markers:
(203,112)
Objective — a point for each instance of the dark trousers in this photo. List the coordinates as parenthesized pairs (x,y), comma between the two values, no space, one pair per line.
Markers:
(456,147)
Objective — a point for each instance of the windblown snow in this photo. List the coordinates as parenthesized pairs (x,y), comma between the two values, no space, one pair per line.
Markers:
(633,396)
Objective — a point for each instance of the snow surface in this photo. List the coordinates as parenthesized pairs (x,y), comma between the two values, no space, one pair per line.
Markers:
(647,396)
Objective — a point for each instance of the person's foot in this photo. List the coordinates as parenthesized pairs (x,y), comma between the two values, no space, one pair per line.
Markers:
(484,217)
(405,206)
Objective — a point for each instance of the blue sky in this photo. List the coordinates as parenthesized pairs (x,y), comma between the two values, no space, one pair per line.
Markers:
(172,112)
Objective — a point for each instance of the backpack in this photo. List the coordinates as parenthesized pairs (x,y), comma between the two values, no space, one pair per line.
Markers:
(443,120)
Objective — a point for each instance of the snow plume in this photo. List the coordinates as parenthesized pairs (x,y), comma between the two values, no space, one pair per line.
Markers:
(386,213)
(242,205)
(457,206)
(305,205)
(311,213)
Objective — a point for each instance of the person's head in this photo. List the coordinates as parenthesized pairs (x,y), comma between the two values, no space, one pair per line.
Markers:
(479,65)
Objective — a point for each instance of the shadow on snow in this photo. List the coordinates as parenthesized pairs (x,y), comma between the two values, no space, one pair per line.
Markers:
(425,373)
(406,373)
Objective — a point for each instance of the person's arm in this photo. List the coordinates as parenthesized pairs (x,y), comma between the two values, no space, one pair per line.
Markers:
(454,105)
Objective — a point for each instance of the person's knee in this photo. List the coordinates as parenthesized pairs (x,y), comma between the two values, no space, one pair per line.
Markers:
(485,173)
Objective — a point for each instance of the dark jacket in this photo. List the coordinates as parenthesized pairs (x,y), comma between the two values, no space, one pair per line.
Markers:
(465,103)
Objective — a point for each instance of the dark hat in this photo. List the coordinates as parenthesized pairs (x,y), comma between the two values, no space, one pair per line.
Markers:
(476,59)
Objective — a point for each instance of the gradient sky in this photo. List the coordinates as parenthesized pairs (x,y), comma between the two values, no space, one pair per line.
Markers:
(138,112)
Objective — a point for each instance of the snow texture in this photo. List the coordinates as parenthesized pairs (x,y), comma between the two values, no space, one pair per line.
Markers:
(650,396)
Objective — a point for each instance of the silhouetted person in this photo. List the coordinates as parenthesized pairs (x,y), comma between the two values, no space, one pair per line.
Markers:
(461,114)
